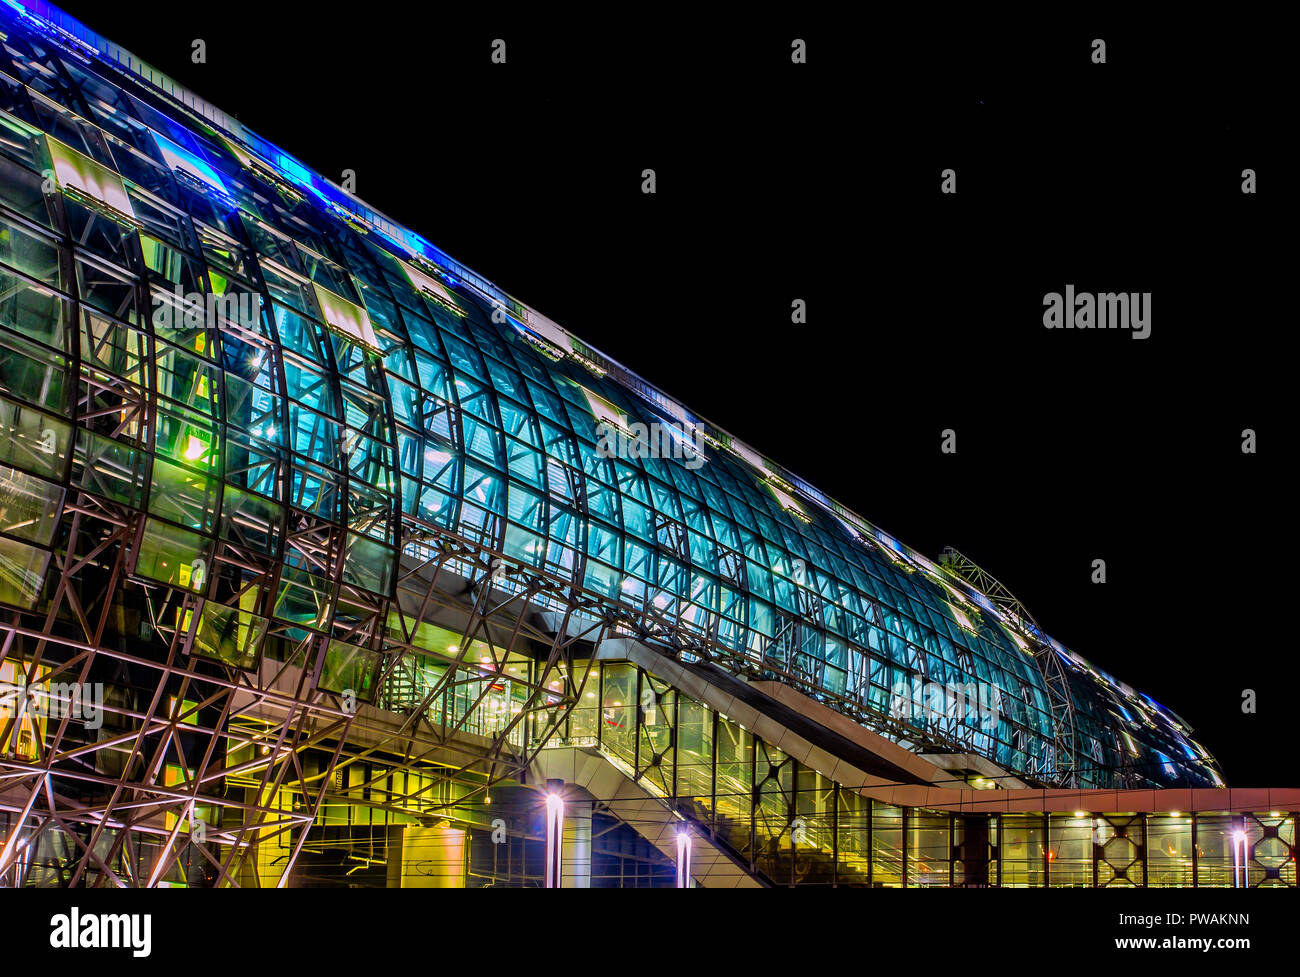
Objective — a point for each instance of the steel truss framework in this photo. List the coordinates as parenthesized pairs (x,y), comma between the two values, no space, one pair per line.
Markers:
(201,701)
(1064,766)
(198,706)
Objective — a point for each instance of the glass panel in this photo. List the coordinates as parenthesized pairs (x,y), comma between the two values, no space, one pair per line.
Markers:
(695,758)
(853,837)
(31,440)
(32,373)
(172,556)
(229,635)
(114,348)
(1120,840)
(86,178)
(32,311)
(187,438)
(29,252)
(1022,850)
(350,669)
(20,190)
(928,849)
(584,721)
(735,746)
(253,465)
(369,564)
(110,469)
(812,833)
(1069,851)
(303,599)
(1270,839)
(618,706)
(182,496)
(774,814)
(22,573)
(1169,851)
(886,845)
(185,378)
(1214,850)
(29,506)
(658,713)
(250,520)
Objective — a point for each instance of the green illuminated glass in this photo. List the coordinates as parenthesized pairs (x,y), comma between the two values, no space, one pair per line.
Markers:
(183,496)
(22,573)
(351,669)
(303,598)
(110,469)
(248,520)
(229,635)
(369,564)
(173,556)
(186,438)
(114,348)
(31,440)
(886,845)
(29,506)
(619,708)
(735,781)
(29,252)
(32,373)
(33,311)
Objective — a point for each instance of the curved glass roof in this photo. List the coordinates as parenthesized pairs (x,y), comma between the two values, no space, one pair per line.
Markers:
(195,327)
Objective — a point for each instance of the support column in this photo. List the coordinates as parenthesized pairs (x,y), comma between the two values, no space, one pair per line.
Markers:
(426,858)
(975,851)
(576,857)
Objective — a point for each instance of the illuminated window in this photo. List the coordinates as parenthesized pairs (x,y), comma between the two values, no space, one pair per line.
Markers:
(347,318)
(83,177)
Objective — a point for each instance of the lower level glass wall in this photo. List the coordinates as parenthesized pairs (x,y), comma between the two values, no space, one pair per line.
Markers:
(793,825)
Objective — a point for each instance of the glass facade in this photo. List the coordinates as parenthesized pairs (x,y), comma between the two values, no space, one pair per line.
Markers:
(269,400)
(793,826)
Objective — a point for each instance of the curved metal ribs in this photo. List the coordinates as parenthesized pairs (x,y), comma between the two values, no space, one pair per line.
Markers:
(1062,770)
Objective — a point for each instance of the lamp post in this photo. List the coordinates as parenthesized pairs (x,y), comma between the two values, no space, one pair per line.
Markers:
(683,858)
(554,836)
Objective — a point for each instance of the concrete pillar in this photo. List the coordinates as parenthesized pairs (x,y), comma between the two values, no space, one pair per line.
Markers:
(426,858)
(577,845)
(975,851)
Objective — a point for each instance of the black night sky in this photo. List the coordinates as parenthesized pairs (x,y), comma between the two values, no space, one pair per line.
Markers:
(822,182)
